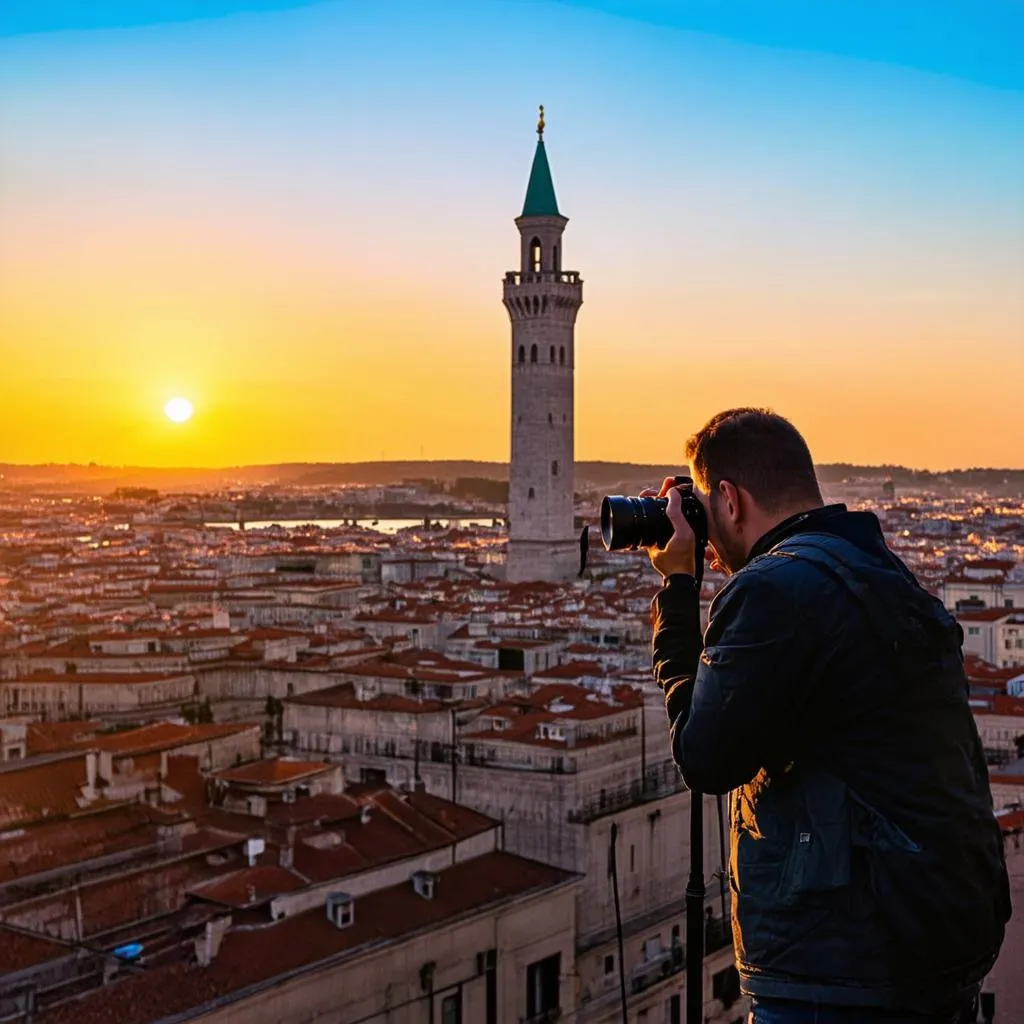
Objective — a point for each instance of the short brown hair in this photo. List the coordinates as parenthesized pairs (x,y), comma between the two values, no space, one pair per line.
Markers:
(758,450)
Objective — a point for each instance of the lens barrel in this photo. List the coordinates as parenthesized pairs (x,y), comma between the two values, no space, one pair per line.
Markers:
(628,523)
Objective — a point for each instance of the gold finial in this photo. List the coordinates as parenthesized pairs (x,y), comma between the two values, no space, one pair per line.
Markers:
(540,123)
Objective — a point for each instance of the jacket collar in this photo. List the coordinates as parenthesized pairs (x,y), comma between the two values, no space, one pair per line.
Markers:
(801,522)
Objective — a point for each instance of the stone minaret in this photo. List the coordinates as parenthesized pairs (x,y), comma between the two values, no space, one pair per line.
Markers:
(542,299)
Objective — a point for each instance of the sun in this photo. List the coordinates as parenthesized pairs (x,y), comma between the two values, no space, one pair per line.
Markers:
(178,410)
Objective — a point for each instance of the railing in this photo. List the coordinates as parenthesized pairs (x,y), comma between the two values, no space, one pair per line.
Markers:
(517,277)
(660,780)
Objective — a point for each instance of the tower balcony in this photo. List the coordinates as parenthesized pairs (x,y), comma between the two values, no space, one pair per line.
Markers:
(516,278)
(528,294)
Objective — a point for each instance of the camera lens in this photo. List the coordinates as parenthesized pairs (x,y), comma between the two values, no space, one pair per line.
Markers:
(631,523)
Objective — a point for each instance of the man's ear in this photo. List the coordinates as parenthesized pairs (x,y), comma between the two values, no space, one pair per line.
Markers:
(732,501)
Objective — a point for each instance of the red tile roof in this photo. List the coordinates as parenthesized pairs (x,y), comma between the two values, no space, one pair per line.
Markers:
(272,771)
(249,958)
(33,791)
(19,950)
(249,886)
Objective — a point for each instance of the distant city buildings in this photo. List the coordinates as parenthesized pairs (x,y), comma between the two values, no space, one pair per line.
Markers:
(306,771)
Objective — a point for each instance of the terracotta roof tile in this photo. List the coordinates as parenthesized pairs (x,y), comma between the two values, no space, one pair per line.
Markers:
(250,957)
(272,771)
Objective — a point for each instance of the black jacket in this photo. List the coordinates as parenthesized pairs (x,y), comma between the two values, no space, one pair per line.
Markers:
(829,695)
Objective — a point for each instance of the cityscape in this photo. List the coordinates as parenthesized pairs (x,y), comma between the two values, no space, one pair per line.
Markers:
(379,742)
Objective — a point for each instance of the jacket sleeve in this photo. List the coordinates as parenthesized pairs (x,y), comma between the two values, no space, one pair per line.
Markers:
(732,707)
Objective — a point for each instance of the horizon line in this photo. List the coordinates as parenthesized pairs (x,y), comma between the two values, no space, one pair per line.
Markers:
(471,462)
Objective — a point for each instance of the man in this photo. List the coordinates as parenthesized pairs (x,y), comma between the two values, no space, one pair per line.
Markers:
(829,695)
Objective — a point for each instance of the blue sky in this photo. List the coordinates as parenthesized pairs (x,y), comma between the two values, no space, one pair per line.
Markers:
(786,198)
(977,41)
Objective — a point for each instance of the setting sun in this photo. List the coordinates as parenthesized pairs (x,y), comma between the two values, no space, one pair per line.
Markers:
(178,410)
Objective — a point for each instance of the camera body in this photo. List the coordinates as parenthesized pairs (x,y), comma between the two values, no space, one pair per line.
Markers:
(631,523)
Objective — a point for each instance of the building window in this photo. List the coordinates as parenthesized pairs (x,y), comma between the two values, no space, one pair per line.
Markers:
(725,986)
(530,494)
(556,262)
(522,353)
(973,630)
(554,468)
(536,262)
(551,355)
(451,1009)
(609,964)
(533,353)
(551,420)
(632,857)
(542,984)
(561,355)
(674,1011)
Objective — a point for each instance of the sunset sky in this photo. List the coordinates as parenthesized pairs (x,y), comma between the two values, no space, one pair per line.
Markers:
(298,215)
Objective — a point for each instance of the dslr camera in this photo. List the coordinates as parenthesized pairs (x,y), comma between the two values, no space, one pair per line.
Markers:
(628,523)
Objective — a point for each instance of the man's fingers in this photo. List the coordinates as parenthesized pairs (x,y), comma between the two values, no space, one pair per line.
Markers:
(650,493)
(667,486)
(675,510)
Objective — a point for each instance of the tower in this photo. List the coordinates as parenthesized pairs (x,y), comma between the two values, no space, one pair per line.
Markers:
(542,301)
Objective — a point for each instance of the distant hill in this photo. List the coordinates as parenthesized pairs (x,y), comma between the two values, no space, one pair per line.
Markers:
(95,479)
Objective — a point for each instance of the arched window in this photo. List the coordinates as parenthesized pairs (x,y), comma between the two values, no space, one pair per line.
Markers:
(536,305)
(544,304)
(561,355)
(554,468)
(529,494)
(555,264)
(522,353)
(551,419)
(536,262)
(551,355)
(533,353)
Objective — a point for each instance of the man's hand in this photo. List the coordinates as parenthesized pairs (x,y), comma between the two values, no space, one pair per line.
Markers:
(679,554)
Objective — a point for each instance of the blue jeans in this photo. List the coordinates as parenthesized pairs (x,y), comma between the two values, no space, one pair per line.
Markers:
(783,1011)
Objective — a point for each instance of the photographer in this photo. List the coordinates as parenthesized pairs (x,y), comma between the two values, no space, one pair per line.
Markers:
(829,696)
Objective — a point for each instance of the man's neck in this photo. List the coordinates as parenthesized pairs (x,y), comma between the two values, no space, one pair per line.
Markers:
(776,524)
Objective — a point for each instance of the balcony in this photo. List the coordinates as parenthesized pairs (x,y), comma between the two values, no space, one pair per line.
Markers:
(660,780)
(515,278)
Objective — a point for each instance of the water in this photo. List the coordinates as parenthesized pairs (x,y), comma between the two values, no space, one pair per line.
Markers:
(385,526)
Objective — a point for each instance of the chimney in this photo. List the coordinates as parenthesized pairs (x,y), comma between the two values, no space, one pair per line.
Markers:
(208,944)
(253,848)
(341,909)
(286,854)
(424,882)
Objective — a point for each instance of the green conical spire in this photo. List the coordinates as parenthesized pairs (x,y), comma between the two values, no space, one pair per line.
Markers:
(540,192)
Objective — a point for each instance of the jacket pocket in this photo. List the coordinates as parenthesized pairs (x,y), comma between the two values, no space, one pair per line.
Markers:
(819,857)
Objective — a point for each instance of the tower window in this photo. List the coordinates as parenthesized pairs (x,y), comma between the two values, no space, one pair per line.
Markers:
(533,353)
(536,305)
(522,353)
(561,355)
(551,419)
(554,468)
(555,262)
(529,494)
(552,354)
(535,256)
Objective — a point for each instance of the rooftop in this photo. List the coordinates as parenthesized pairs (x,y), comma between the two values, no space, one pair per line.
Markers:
(257,957)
